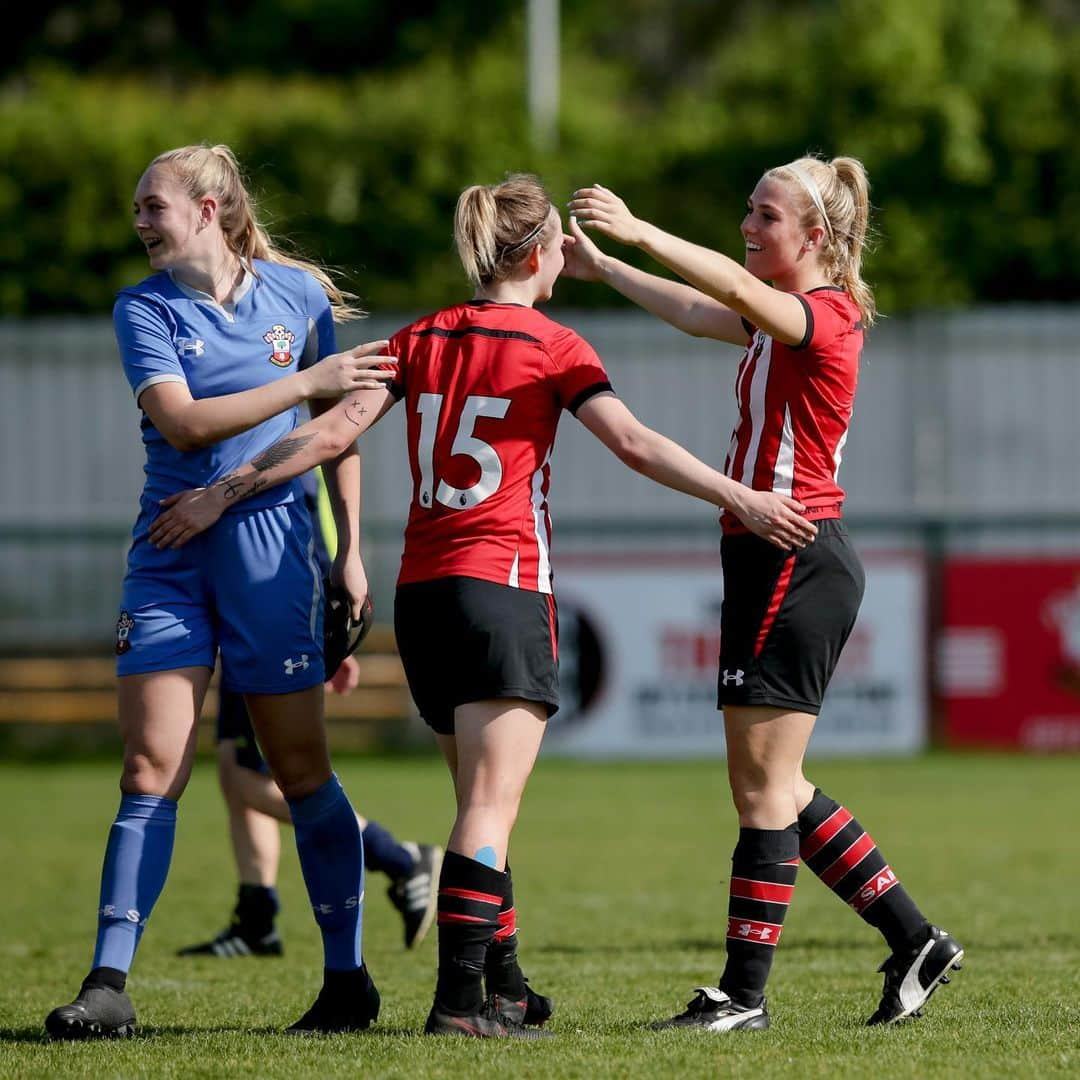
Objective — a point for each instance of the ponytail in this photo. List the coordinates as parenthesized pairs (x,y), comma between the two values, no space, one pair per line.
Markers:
(205,170)
(495,226)
(836,194)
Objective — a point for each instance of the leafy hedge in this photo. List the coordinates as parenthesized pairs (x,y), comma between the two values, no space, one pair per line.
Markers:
(964,113)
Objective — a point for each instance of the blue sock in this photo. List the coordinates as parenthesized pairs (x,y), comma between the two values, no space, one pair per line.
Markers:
(332,859)
(136,865)
(383,853)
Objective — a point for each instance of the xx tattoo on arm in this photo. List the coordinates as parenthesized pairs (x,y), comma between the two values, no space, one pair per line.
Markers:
(353,411)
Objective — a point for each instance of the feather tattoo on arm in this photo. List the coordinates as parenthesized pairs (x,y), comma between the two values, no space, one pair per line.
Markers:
(280,452)
(236,487)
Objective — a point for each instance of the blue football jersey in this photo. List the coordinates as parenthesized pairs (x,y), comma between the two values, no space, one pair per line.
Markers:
(278,322)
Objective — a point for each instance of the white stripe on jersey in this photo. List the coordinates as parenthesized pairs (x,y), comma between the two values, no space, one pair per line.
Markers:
(153,380)
(543,555)
(316,583)
(733,448)
(784,473)
(513,582)
(839,454)
(758,385)
(310,354)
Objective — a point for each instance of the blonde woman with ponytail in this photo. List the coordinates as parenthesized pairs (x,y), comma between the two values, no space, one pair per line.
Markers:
(484,384)
(220,345)
(799,308)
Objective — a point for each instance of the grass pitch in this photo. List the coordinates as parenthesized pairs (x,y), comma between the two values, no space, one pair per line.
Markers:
(620,876)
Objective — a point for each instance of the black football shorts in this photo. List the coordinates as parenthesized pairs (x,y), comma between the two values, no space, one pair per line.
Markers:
(785,618)
(462,639)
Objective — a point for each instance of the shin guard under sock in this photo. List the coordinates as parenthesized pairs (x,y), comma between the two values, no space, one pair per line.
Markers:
(136,864)
(763,869)
(502,972)
(837,848)
(470,895)
(332,860)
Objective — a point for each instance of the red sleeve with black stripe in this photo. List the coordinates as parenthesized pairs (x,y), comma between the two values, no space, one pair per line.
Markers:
(577,373)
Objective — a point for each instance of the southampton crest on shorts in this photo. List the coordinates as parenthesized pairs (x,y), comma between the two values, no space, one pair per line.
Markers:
(280,339)
(124,625)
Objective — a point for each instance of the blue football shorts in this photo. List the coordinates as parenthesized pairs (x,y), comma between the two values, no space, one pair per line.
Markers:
(248,588)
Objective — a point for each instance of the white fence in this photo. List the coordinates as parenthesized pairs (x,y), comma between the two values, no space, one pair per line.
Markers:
(965,418)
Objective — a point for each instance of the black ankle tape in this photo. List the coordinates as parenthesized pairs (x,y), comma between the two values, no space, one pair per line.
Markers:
(111,978)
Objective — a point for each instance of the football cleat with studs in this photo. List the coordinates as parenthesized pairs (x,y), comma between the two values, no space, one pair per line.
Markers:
(911,977)
(497,1018)
(713,1010)
(99,1012)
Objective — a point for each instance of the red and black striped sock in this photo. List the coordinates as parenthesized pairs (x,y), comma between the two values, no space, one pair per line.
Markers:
(840,851)
(763,869)
(470,895)
(502,973)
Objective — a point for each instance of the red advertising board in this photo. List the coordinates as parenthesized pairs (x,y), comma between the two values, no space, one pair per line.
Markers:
(1009,653)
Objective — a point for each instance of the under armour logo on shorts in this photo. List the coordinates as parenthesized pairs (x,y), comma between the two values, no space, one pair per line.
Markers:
(736,678)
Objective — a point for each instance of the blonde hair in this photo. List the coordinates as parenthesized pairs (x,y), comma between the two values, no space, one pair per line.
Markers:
(214,170)
(495,226)
(842,205)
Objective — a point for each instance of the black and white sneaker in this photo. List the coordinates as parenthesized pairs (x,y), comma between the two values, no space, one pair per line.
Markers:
(713,1010)
(347,1002)
(234,941)
(416,894)
(99,1012)
(911,978)
(497,1018)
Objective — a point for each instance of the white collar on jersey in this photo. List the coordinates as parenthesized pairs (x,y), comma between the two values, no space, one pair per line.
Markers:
(229,306)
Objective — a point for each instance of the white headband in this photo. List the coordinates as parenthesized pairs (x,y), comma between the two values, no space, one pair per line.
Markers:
(812,190)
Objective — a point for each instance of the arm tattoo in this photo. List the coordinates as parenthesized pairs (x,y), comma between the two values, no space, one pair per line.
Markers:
(280,452)
(353,413)
(233,486)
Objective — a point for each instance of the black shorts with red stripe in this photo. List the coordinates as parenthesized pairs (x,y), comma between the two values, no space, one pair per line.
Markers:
(785,618)
(462,639)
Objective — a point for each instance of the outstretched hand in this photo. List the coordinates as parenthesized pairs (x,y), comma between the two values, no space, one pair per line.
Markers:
(354,369)
(598,208)
(775,518)
(583,259)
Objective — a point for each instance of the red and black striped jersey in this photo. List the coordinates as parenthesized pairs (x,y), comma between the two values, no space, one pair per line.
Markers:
(484,385)
(795,405)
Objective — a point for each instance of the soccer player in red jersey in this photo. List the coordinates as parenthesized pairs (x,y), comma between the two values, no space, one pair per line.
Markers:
(786,614)
(484,384)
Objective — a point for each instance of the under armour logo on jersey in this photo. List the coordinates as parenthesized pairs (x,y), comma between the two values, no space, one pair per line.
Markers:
(190,346)
(736,678)
(292,666)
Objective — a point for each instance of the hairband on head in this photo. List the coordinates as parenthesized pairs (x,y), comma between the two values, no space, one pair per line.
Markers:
(810,184)
(533,234)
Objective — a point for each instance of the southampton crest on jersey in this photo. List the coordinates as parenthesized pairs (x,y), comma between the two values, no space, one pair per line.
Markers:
(280,339)
(124,625)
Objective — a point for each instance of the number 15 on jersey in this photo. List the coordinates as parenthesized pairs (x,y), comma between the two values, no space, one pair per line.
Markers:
(430,407)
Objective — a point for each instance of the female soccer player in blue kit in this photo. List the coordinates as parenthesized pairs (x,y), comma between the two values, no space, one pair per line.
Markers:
(220,345)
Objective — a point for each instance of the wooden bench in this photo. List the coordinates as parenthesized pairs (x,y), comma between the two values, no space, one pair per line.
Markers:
(82,690)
